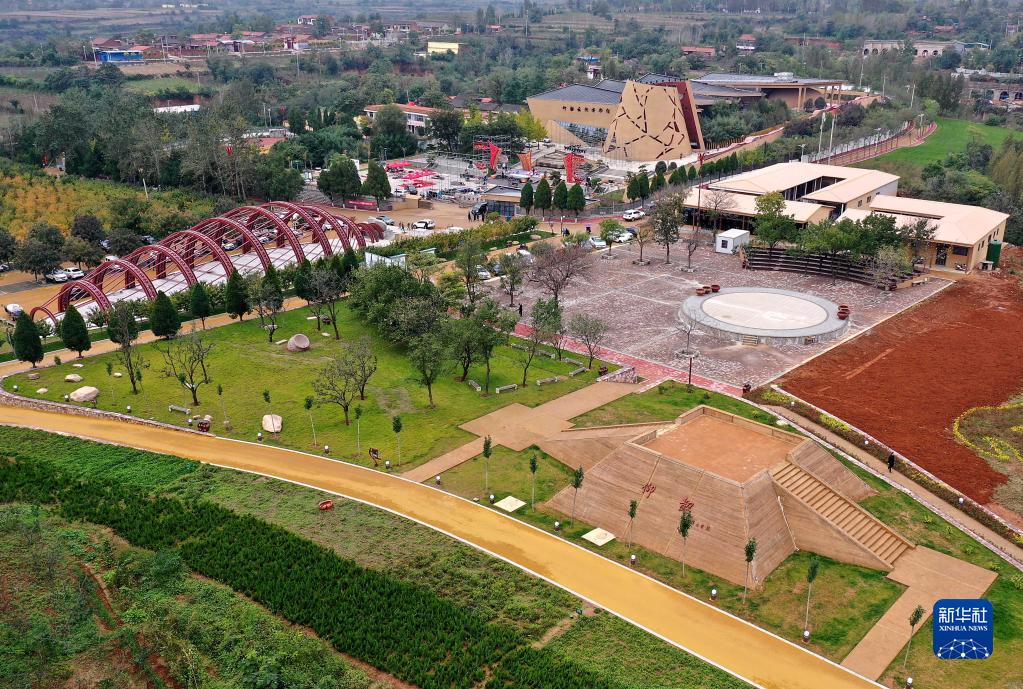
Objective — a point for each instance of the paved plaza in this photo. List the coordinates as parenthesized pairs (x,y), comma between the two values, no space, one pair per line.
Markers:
(642,303)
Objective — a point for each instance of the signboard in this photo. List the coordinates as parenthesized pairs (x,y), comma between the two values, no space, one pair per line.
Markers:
(963,629)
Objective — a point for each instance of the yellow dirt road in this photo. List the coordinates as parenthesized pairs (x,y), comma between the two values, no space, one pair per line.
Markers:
(750,653)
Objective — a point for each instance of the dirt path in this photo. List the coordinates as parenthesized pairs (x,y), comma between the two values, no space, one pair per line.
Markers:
(748,652)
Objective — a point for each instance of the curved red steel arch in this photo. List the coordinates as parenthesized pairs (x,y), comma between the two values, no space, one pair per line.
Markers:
(193,237)
(284,231)
(163,253)
(314,225)
(222,224)
(49,314)
(64,296)
(132,273)
(342,225)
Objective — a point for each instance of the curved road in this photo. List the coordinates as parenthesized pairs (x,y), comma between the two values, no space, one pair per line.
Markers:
(744,650)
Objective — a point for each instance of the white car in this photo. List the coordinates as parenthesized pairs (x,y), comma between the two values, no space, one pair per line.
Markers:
(74,273)
(57,275)
(634,214)
(385,219)
(483,273)
(424,224)
(598,243)
(623,237)
(14,310)
(228,245)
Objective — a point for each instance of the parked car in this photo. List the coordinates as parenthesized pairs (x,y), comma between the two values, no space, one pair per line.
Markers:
(148,239)
(385,219)
(110,257)
(598,243)
(424,224)
(623,237)
(398,193)
(526,256)
(14,310)
(634,214)
(104,244)
(495,268)
(483,273)
(74,273)
(56,275)
(4,267)
(228,245)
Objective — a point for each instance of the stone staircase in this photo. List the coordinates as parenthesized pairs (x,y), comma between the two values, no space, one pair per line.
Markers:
(313,196)
(843,513)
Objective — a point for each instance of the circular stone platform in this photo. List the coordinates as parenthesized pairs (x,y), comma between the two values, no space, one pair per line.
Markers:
(772,316)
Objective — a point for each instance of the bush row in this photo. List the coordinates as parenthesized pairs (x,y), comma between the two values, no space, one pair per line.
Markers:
(402,629)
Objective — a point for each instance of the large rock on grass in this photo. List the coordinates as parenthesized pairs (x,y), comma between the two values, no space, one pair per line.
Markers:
(298,343)
(72,378)
(272,423)
(86,393)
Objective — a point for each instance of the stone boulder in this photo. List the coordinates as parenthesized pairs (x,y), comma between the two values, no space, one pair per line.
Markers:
(298,343)
(42,391)
(117,374)
(85,394)
(72,378)
(272,423)
(33,376)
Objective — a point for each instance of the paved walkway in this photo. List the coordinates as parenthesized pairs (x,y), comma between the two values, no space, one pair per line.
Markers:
(750,653)
(930,576)
(517,426)
(652,372)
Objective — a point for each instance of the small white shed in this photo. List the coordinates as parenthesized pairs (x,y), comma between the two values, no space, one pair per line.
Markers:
(729,241)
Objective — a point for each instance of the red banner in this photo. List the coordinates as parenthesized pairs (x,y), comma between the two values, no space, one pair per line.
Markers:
(570,160)
(527,161)
(494,152)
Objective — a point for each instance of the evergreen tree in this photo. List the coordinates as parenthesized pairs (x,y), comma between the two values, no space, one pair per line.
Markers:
(576,201)
(644,185)
(301,281)
(678,176)
(341,179)
(657,182)
(199,303)
(28,346)
(376,184)
(271,285)
(560,199)
(692,174)
(632,187)
(661,167)
(164,320)
(236,296)
(542,198)
(526,197)
(73,332)
(349,264)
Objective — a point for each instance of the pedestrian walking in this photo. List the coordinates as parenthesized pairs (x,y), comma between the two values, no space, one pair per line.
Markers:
(891,461)
(468,216)
(520,309)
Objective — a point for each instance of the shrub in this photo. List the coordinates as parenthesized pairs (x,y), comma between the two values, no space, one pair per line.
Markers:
(831,423)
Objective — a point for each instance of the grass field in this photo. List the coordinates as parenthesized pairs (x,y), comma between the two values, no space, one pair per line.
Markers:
(245,364)
(150,87)
(951,136)
(381,541)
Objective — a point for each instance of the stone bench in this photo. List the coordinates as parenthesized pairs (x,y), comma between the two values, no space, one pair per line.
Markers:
(183,410)
(578,371)
(516,345)
(572,361)
(474,385)
(506,388)
(545,381)
(549,355)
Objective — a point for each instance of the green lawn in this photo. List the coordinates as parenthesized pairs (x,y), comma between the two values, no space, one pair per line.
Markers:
(508,473)
(951,136)
(664,403)
(150,87)
(245,364)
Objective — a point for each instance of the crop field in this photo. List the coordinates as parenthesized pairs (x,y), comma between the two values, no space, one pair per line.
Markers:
(244,364)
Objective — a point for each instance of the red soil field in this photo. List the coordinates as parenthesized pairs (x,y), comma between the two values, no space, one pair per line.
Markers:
(906,381)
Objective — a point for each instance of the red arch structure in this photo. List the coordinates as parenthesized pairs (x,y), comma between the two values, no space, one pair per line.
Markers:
(46,312)
(132,274)
(312,223)
(344,227)
(221,226)
(94,291)
(163,254)
(192,238)
(251,215)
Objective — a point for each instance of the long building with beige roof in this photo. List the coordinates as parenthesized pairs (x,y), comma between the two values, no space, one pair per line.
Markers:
(814,192)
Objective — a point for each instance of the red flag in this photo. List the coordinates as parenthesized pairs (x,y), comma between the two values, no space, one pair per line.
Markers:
(494,152)
(229,149)
(527,161)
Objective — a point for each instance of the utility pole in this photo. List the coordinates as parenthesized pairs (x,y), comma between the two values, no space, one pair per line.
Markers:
(820,139)
(831,141)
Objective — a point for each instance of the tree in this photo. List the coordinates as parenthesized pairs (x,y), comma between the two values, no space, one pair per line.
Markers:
(609,230)
(526,197)
(553,268)
(560,197)
(88,227)
(644,233)
(267,298)
(751,552)
(633,507)
(469,256)
(772,224)
(185,359)
(123,241)
(446,125)
(326,288)
(718,203)
(591,331)
(429,358)
(164,320)
(685,523)
(199,302)
(377,184)
(657,183)
(542,199)
(337,382)
(918,234)
(341,179)
(462,337)
(236,296)
(666,220)
(811,574)
(364,361)
(576,201)
(300,281)
(914,620)
(488,449)
(73,331)
(82,253)
(533,466)
(8,245)
(38,254)
(577,483)
(27,344)
(545,322)
(694,240)
(643,186)
(123,330)
(396,428)
(514,270)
